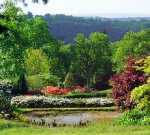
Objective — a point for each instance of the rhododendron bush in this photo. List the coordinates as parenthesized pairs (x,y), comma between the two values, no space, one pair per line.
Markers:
(51,90)
(124,83)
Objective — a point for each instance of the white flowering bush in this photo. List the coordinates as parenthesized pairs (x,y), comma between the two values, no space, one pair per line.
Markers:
(6,86)
(48,102)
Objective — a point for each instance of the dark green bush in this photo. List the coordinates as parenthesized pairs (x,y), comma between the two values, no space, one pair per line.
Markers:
(22,87)
(6,110)
(106,93)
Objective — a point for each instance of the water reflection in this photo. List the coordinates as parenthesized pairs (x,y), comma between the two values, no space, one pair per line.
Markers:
(53,119)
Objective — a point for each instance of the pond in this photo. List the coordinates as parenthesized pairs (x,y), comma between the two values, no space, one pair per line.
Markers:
(53,119)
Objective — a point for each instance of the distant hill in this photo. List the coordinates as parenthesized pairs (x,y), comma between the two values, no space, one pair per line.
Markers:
(66,27)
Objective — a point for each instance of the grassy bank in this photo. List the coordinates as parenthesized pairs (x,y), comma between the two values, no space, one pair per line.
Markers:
(101,128)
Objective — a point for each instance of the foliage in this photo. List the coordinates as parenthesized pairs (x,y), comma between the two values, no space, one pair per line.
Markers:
(144,65)
(48,102)
(36,62)
(99,94)
(37,82)
(93,56)
(69,80)
(60,58)
(132,44)
(66,27)
(135,117)
(141,95)
(22,86)
(124,83)
(22,33)
(6,109)
(7,66)
(6,86)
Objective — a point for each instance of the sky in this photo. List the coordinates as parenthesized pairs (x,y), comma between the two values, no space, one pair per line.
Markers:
(103,8)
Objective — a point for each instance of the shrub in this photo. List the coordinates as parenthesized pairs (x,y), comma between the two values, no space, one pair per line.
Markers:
(146,120)
(22,87)
(48,102)
(5,105)
(50,90)
(124,83)
(141,95)
(37,82)
(98,94)
(144,64)
(135,117)
(36,62)
(6,86)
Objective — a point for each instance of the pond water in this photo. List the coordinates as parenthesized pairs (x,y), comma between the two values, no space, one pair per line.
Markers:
(52,119)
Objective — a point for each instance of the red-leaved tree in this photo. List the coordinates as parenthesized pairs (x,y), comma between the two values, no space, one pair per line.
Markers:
(124,83)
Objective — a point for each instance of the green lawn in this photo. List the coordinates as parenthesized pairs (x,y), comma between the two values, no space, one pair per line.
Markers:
(102,128)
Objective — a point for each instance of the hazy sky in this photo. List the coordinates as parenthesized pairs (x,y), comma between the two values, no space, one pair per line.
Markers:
(106,8)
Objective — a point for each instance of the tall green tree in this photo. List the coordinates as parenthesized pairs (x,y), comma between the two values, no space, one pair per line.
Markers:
(93,56)
(60,57)
(133,44)
(36,62)
(20,34)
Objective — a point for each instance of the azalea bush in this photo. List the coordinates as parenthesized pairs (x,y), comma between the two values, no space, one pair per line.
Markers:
(124,83)
(51,90)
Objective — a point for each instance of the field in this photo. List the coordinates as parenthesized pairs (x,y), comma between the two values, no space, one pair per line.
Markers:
(101,128)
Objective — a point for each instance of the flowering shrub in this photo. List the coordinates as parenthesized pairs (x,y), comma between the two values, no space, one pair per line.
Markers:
(47,102)
(123,84)
(50,90)
(6,86)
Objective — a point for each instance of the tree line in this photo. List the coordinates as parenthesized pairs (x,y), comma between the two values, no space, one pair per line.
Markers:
(28,48)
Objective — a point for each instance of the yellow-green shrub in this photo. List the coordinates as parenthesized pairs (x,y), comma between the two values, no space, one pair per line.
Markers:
(144,65)
(141,96)
(36,62)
